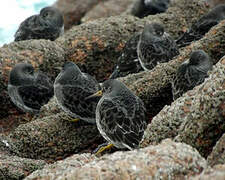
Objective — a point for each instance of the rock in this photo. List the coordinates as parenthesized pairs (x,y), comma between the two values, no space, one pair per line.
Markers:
(217,155)
(74,10)
(167,160)
(191,117)
(98,43)
(63,167)
(217,172)
(13,167)
(107,9)
(53,137)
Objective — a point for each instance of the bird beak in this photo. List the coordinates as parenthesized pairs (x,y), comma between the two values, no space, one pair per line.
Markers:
(98,93)
(58,68)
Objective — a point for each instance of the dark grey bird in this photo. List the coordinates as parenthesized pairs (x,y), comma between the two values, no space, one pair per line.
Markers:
(202,26)
(128,61)
(120,115)
(46,25)
(191,73)
(144,8)
(71,87)
(29,90)
(155,46)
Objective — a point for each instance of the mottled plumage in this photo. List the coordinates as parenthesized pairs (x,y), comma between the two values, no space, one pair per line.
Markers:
(144,8)
(202,26)
(120,115)
(155,46)
(128,61)
(191,73)
(27,89)
(71,88)
(46,25)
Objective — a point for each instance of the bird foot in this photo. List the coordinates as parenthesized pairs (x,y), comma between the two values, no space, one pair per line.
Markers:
(102,148)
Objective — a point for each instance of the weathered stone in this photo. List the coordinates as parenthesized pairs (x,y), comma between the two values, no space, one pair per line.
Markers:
(192,117)
(217,172)
(217,155)
(107,9)
(74,10)
(62,167)
(95,46)
(168,160)
(53,137)
(13,167)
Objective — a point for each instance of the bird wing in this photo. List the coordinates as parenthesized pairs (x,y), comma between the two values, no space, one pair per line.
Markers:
(73,99)
(38,93)
(35,28)
(35,96)
(121,126)
(186,79)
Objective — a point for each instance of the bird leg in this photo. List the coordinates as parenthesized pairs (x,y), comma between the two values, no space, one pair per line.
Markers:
(74,120)
(102,148)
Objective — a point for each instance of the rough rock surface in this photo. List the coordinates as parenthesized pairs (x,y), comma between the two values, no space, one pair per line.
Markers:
(168,160)
(53,137)
(217,172)
(107,9)
(217,155)
(14,167)
(74,10)
(191,117)
(98,43)
(95,46)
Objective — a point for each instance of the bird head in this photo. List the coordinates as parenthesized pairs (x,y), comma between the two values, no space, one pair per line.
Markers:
(52,15)
(152,32)
(22,73)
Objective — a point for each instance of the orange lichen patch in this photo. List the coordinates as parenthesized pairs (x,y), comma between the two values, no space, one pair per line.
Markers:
(35,58)
(223,61)
(222,107)
(186,109)
(75,42)
(78,56)
(188,102)
(99,42)
(88,45)
(120,46)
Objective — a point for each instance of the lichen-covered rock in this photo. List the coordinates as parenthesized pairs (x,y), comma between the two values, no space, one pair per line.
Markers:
(13,167)
(203,123)
(96,45)
(107,9)
(168,160)
(217,172)
(213,3)
(192,117)
(53,137)
(74,10)
(62,167)
(217,155)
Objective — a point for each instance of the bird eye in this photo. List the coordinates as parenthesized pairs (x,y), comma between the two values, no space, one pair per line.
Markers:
(30,71)
(45,14)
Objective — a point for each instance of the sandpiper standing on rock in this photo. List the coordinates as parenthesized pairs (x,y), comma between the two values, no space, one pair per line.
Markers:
(120,116)
(46,25)
(191,73)
(71,88)
(128,61)
(29,90)
(155,46)
(202,26)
